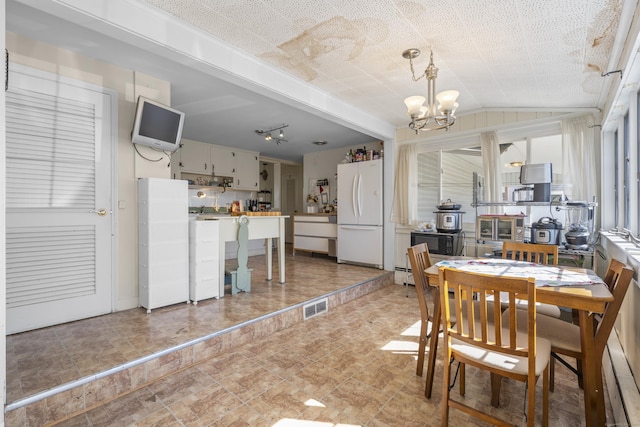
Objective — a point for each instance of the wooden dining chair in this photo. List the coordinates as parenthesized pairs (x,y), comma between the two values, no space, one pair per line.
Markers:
(420,261)
(540,254)
(565,336)
(496,347)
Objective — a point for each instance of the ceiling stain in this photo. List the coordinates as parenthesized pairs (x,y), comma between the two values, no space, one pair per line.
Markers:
(301,54)
(602,32)
(593,67)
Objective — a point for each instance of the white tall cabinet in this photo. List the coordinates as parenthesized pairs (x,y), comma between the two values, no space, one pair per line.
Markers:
(163,242)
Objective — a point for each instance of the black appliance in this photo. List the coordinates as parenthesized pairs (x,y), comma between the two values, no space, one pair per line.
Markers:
(440,243)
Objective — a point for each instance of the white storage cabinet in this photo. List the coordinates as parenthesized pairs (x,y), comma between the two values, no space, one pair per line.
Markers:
(204,260)
(315,234)
(163,242)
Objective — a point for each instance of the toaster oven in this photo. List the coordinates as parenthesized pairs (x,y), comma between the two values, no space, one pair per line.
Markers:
(500,227)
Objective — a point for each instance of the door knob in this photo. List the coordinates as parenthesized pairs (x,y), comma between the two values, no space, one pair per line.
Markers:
(101,212)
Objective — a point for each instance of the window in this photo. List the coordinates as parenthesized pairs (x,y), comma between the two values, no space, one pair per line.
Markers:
(615,180)
(626,183)
(446,175)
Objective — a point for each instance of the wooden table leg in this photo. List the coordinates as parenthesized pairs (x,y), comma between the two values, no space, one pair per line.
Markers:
(269,257)
(433,342)
(281,249)
(595,414)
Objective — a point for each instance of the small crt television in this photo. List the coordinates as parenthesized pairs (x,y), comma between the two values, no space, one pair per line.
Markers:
(157,125)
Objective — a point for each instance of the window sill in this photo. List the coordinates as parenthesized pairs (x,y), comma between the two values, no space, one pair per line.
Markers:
(621,249)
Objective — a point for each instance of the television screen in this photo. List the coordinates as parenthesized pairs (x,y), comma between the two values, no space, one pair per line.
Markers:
(157,125)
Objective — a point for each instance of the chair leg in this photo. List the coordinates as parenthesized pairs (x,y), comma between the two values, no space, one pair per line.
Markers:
(462,380)
(552,372)
(446,378)
(545,397)
(579,369)
(531,402)
(496,384)
(421,347)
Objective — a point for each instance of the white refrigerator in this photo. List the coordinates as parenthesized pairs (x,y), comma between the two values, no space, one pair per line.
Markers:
(360,213)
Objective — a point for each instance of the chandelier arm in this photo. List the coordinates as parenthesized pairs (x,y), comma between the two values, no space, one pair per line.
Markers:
(413,73)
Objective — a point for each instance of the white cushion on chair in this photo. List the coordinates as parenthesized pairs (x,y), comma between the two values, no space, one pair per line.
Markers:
(503,361)
(561,334)
(541,308)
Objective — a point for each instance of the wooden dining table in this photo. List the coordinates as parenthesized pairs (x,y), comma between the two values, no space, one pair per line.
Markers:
(586,299)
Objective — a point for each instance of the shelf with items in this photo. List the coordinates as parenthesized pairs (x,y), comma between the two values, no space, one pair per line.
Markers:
(264,200)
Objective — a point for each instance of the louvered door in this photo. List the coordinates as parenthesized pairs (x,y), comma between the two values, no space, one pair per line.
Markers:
(58,198)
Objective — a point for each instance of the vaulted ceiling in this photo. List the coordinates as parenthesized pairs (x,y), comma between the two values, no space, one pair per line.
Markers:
(499,54)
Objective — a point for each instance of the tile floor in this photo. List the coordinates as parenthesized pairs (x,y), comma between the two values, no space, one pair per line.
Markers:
(354,365)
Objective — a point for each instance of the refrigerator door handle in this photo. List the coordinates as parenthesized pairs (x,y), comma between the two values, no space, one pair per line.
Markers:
(354,195)
(360,227)
(359,196)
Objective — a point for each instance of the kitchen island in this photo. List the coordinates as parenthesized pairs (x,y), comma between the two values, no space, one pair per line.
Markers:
(259,227)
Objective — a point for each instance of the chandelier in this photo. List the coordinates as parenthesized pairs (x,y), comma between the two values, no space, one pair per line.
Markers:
(427,117)
(267,134)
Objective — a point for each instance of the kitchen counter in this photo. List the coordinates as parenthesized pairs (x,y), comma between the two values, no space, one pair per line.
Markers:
(259,227)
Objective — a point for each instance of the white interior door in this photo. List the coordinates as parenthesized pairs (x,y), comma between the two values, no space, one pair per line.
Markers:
(59,200)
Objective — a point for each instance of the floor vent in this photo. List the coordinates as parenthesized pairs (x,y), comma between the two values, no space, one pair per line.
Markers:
(315,308)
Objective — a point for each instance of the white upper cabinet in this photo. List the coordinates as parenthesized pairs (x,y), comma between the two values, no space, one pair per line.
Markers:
(223,160)
(247,171)
(207,159)
(195,157)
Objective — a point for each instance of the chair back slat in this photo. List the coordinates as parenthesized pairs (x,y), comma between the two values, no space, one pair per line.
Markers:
(471,306)
(531,252)
(420,261)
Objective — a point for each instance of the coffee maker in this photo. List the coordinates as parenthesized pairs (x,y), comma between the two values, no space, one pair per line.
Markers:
(540,175)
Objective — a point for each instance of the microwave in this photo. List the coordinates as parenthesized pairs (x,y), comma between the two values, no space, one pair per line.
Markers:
(500,227)
(440,243)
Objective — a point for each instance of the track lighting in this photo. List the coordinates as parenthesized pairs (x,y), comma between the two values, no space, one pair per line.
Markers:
(267,133)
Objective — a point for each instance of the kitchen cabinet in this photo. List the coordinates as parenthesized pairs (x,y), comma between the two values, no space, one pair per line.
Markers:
(315,233)
(224,160)
(195,157)
(247,171)
(199,158)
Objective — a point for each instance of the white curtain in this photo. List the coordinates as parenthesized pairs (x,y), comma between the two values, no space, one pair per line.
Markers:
(405,194)
(492,167)
(578,159)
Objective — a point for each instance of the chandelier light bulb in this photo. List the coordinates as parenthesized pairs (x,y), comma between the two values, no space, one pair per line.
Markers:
(414,105)
(281,134)
(447,100)
(268,137)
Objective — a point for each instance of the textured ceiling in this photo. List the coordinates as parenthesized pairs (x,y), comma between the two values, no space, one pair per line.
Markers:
(498,53)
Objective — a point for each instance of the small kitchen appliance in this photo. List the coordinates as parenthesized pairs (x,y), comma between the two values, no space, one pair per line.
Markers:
(450,244)
(546,231)
(449,217)
(540,175)
(500,227)
(580,228)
